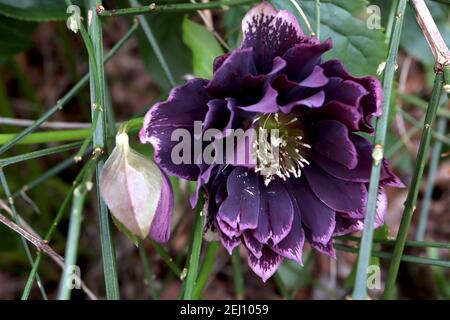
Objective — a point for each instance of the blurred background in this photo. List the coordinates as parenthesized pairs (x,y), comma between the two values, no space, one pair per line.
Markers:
(41,61)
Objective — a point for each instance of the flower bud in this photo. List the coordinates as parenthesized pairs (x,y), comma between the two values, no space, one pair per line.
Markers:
(137,192)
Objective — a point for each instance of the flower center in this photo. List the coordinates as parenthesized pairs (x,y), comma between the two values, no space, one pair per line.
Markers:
(279,147)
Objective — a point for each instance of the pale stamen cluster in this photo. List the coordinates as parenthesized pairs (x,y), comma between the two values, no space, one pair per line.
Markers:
(279,154)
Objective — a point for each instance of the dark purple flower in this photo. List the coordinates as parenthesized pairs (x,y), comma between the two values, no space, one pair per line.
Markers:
(277,79)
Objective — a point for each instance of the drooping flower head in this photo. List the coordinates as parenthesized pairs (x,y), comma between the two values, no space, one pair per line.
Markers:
(277,80)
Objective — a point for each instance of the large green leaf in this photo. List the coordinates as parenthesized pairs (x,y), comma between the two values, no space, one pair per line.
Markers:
(360,49)
(203,45)
(35,10)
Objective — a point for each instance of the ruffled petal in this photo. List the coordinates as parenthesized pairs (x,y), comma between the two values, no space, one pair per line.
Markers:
(304,57)
(370,104)
(266,265)
(186,104)
(241,208)
(315,215)
(331,139)
(270,33)
(291,247)
(276,213)
(228,80)
(339,195)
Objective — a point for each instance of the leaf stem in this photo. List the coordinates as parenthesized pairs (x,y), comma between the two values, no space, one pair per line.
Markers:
(205,270)
(238,279)
(170,8)
(425,205)
(360,289)
(11,140)
(414,187)
(405,258)
(192,268)
(16,219)
(147,272)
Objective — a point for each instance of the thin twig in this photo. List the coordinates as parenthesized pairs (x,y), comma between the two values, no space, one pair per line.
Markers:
(303,15)
(41,246)
(431,32)
(47,124)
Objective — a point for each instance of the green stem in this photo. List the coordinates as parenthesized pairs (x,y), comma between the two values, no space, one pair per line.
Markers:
(238,279)
(16,219)
(413,191)
(44,137)
(194,257)
(436,135)
(62,135)
(170,8)
(415,244)
(432,170)
(10,141)
(167,259)
(49,235)
(37,154)
(154,44)
(422,104)
(99,141)
(360,289)
(205,270)
(405,258)
(318,19)
(71,252)
(147,272)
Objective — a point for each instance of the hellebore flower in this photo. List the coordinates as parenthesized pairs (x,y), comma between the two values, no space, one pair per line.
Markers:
(277,80)
(137,192)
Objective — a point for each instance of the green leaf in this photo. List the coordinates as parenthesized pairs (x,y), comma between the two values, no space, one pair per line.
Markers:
(13,38)
(359,48)
(34,10)
(203,45)
(167,29)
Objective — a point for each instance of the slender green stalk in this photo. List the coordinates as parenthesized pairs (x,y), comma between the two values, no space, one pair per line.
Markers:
(194,256)
(38,154)
(425,205)
(415,244)
(170,8)
(60,135)
(436,135)
(10,141)
(147,272)
(99,141)
(318,19)
(238,279)
(281,286)
(401,142)
(360,289)
(405,258)
(205,270)
(154,44)
(167,259)
(414,187)
(422,104)
(71,252)
(447,79)
(49,235)
(47,175)
(16,219)
(391,19)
